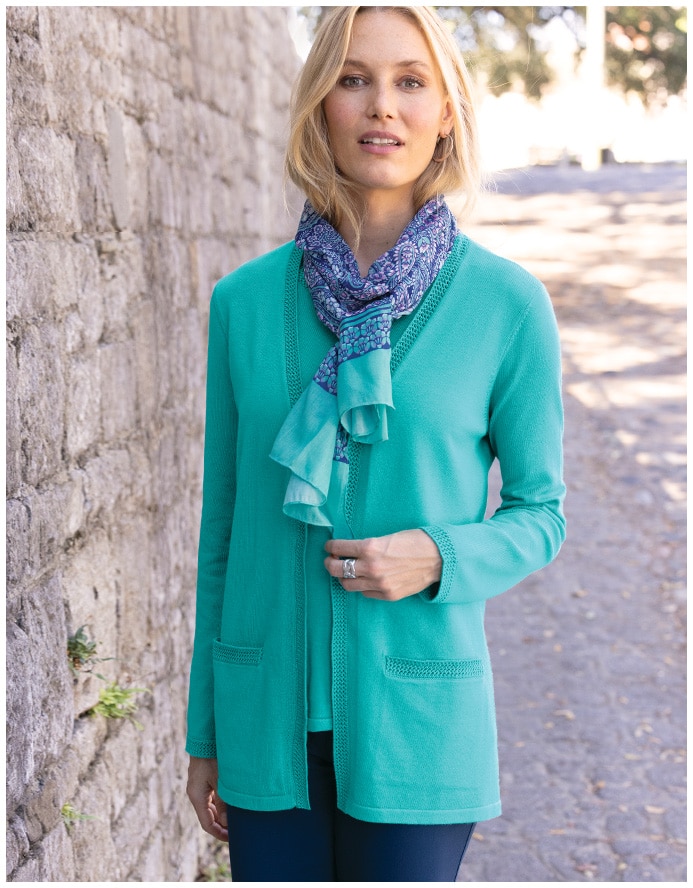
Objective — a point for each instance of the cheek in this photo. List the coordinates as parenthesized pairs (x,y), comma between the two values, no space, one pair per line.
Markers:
(338,116)
(428,125)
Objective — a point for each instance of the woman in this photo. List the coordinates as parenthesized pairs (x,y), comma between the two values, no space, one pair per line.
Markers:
(341,700)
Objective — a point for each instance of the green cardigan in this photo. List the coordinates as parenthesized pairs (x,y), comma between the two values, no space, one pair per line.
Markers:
(476,376)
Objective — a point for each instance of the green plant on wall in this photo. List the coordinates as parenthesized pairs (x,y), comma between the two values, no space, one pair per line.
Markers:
(118,702)
(81,654)
(71,816)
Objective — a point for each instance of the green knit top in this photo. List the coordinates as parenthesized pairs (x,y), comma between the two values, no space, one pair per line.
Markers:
(476,376)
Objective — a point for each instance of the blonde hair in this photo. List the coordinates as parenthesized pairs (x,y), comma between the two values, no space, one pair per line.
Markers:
(309,159)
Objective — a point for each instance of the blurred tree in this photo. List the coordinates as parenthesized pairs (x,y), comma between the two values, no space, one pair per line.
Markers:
(503,45)
(646,50)
(506,46)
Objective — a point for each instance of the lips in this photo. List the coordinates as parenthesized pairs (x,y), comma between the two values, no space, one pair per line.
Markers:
(378,138)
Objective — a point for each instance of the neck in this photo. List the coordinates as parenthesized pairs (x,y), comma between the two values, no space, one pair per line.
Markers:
(383,223)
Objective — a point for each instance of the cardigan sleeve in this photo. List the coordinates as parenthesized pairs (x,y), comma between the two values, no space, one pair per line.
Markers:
(218,498)
(525,431)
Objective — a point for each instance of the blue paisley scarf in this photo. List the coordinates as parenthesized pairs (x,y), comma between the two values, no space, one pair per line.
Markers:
(351,392)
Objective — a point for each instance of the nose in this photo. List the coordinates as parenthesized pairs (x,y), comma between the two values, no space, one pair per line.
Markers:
(382,101)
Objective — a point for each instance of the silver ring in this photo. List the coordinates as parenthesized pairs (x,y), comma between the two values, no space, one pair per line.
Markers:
(349,569)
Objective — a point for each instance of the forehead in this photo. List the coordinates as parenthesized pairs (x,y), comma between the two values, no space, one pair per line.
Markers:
(388,32)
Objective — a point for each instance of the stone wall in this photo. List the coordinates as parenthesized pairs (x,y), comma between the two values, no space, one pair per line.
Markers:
(144,161)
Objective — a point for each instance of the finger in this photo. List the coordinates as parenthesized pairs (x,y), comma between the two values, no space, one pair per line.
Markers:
(210,821)
(335,567)
(207,815)
(208,807)
(221,811)
(345,548)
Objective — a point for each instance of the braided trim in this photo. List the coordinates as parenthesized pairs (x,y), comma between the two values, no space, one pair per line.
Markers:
(339,688)
(293,365)
(430,301)
(354,456)
(204,749)
(399,667)
(239,656)
(293,381)
(449,556)
(298,753)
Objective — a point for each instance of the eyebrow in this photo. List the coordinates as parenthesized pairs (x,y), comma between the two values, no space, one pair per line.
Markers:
(407,63)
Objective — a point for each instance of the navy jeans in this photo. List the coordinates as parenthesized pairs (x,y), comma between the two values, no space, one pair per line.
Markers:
(326,845)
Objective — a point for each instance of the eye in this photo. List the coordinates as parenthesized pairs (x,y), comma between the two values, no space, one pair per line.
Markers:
(351,81)
(412,83)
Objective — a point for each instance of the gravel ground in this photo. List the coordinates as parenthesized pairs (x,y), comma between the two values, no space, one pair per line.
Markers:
(589,654)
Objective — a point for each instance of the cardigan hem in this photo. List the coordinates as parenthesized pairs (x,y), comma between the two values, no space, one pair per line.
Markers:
(257,803)
(364,812)
(422,818)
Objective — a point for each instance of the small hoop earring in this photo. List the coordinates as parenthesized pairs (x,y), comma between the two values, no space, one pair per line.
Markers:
(447,149)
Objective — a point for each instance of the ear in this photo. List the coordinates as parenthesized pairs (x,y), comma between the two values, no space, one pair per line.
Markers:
(447,120)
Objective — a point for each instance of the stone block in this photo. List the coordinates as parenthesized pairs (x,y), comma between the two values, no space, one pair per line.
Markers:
(20,763)
(123,281)
(23,19)
(88,738)
(67,70)
(140,472)
(39,526)
(41,399)
(165,193)
(40,276)
(27,75)
(210,260)
(39,698)
(118,394)
(47,169)
(13,422)
(146,363)
(83,407)
(110,79)
(182,25)
(108,483)
(129,836)
(92,842)
(95,205)
(16,210)
(132,560)
(87,292)
(120,757)
(141,92)
(152,863)
(136,165)
(99,31)
(17,844)
(200,193)
(57,860)
(117,168)
(28,871)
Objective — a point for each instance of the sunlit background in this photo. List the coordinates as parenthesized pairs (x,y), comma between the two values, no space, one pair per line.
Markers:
(567,84)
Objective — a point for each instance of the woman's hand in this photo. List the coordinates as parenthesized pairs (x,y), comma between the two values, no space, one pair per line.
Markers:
(202,792)
(388,567)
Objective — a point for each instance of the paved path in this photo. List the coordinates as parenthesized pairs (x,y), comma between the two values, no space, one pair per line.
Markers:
(589,654)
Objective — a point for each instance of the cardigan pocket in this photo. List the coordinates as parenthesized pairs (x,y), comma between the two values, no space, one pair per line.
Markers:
(401,667)
(431,736)
(244,750)
(241,656)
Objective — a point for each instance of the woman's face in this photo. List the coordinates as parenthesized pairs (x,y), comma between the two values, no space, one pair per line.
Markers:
(388,107)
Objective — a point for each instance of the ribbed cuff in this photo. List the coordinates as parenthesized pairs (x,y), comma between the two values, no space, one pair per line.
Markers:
(204,749)
(438,592)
